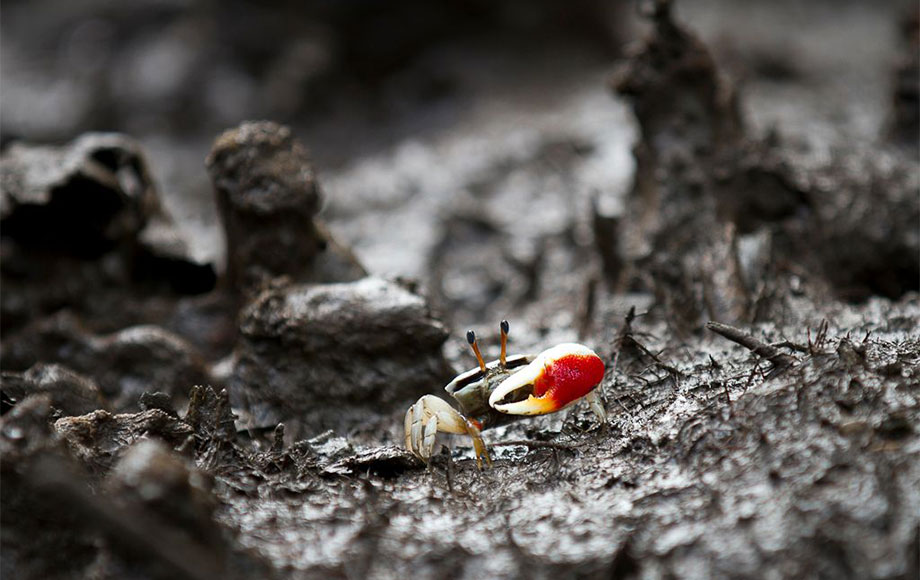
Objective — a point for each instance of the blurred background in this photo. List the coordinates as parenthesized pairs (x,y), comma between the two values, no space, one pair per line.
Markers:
(418,113)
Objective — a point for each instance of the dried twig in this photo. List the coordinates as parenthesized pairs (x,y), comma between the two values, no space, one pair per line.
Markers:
(779,359)
(820,337)
(751,376)
(791,346)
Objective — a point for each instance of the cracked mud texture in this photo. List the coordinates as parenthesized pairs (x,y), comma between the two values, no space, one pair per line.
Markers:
(722,200)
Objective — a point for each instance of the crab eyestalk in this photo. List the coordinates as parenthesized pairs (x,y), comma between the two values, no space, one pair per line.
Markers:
(555,379)
(471,338)
(505,327)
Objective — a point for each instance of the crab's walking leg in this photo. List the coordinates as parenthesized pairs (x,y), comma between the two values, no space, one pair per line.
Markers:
(427,417)
(597,405)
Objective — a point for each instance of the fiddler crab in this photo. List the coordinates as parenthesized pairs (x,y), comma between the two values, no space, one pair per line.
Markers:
(495,393)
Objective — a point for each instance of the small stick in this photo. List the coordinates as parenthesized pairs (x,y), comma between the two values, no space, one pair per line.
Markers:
(670,369)
(751,376)
(791,345)
(779,359)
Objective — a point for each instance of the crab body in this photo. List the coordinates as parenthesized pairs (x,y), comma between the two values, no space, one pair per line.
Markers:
(502,390)
(472,389)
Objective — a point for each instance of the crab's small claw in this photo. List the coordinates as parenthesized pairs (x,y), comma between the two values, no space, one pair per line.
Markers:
(555,379)
(430,415)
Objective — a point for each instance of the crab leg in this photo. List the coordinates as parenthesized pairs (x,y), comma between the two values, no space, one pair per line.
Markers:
(594,401)
(430,415)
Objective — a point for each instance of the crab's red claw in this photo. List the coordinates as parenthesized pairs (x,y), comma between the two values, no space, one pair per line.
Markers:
(555,379)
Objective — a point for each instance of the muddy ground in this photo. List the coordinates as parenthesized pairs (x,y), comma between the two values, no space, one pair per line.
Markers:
(212,328)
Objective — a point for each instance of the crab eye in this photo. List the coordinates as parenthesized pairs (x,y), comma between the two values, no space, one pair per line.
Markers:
(505,327)
(471,338)
(555,379)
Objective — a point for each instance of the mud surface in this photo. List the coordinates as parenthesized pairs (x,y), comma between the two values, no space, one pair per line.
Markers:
(212,328)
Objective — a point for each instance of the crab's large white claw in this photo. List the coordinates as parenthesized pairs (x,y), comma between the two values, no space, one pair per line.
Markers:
(558,377)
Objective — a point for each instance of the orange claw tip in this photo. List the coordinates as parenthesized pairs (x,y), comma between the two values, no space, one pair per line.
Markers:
(558,376)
